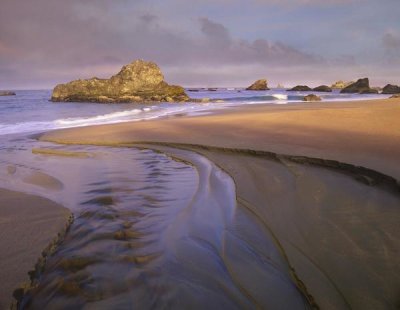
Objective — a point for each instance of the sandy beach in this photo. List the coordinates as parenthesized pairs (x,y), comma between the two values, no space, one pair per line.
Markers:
(28,224)
(321,179)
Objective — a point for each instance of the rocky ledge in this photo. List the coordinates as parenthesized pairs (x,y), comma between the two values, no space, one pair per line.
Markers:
(360,87)
(259,85)
(6,93)
(139,81)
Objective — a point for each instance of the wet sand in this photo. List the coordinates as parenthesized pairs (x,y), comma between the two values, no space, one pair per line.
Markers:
(28,224)
(335,224)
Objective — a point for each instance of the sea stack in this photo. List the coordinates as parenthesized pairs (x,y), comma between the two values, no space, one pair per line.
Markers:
(259,85)
(323,88)
(359,87)
(300,88)
(139,81)
(391,89)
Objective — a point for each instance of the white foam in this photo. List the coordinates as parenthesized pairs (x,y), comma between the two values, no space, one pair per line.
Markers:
(280,96)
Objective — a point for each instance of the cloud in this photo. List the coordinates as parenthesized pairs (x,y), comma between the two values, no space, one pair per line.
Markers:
(47,42)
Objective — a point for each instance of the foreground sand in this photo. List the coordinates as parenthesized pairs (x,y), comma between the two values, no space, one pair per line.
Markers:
(27,226)
(336,224)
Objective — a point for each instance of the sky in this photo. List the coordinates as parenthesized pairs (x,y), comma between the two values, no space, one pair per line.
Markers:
(200,43)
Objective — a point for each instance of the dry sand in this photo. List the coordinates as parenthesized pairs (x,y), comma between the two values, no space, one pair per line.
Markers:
(27,226)
(340,235)
(365,133)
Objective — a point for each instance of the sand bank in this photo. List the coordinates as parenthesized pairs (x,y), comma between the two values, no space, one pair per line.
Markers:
(365,133)
(28,224)
(336,226)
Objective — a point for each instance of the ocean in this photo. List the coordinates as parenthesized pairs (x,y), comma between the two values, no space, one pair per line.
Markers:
(31,111)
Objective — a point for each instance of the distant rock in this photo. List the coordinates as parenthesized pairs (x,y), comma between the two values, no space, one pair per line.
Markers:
(341,84)
(360,87)
(139,81)
(391,89)
(7,93)
(212,89)
(312,97)
(280,85)
(259,85)
(323,88)
(300,88)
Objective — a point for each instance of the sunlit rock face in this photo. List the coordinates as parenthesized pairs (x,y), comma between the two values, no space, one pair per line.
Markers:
(139,81)
(259,85)
(341,84)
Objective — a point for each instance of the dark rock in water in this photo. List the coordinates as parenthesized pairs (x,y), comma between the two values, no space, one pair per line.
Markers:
(312,97)
(193,90)
(259,85)
(370,91)
(323,88)
(139,81)
(395,96)
(212,89)
(7,93)
(391,89)
(361,86)
(300,88)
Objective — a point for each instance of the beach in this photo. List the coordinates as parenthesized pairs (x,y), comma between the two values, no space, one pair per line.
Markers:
(28,225)
(321,179)
(271,206)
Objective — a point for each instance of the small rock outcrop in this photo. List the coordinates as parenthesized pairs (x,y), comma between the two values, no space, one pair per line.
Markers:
(341,84)
(312,97)
(391,89)
(360,87)
(323,88)
(259,85)
(7,93)
(300,88)
(139,81)
(395,96)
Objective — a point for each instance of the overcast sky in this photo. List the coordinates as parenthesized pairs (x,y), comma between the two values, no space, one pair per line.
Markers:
(200,43)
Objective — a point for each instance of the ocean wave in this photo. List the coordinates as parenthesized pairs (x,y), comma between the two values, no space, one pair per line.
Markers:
(280,96)
(99,118)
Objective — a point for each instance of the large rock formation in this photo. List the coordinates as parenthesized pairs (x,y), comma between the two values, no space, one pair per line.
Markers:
(6,93)
(341,84)
(259,85)
(312,97)
(323,88)
(300,88)
(360,87)
(139,81)
(391,89)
